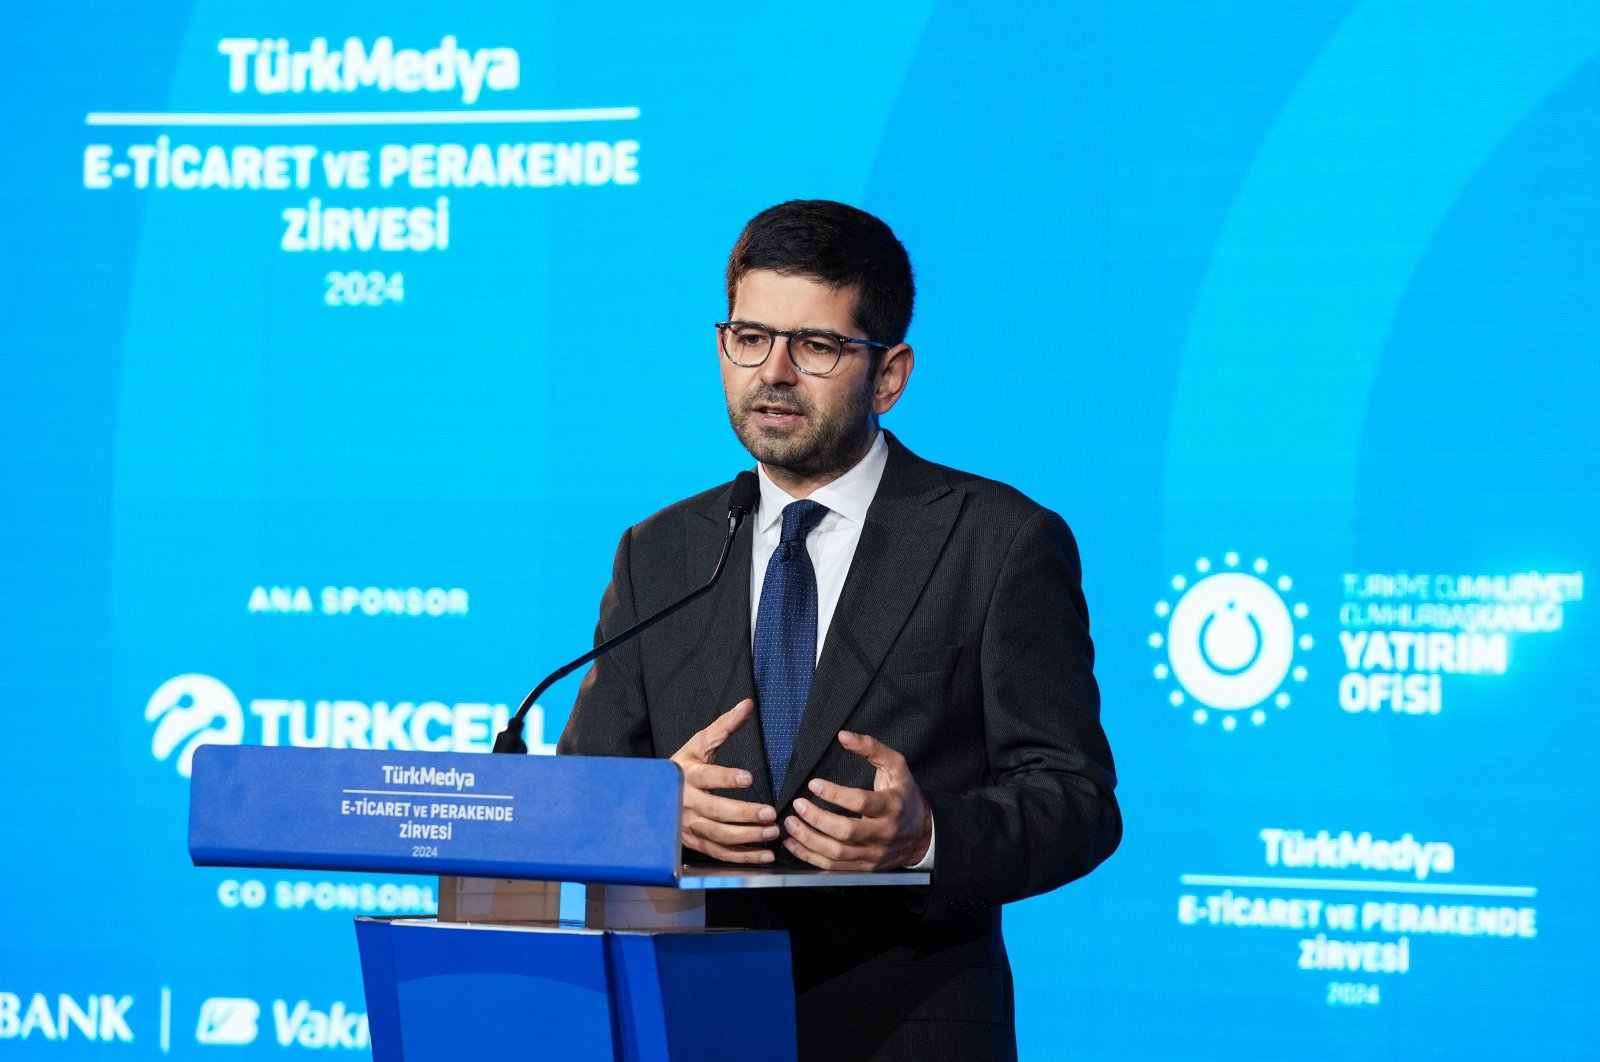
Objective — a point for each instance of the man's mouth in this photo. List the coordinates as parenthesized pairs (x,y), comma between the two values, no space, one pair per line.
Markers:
(775,410)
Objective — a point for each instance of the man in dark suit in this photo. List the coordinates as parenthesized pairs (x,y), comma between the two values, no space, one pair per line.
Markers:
(895,670)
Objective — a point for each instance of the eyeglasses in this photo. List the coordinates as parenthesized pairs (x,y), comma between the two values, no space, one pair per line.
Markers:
(813,351)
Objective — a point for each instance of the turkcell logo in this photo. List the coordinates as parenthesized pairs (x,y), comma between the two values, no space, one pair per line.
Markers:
(1229,643)
(96,1018)
(194,710)
(190,711)
(227,1020)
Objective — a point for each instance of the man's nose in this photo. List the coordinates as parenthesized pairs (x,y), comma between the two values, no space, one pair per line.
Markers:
(779,367)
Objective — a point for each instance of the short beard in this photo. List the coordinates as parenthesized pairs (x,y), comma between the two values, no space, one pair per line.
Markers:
(827,449)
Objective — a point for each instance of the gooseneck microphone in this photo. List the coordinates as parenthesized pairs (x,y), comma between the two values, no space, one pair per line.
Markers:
(742,501)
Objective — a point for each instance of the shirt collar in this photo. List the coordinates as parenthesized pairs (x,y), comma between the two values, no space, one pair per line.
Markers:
(850,495)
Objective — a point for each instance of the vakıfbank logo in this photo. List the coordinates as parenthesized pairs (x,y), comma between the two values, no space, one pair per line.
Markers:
(193,710)
(228,1020)
(1230,641)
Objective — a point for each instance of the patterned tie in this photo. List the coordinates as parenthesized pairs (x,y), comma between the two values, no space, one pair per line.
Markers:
(786,636)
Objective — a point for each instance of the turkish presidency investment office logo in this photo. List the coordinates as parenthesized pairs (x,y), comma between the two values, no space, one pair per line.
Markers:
(1229,642)
(193,710)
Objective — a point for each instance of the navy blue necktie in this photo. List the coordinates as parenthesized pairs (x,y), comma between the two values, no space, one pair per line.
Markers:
(786,636)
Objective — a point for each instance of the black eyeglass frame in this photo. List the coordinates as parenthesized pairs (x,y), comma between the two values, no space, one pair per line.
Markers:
(843,341)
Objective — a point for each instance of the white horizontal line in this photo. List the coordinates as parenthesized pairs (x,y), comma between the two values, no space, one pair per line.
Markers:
(429,793)
(579,114)
(1342,885)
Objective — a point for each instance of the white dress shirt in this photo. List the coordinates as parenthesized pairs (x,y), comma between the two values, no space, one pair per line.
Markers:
(832,544)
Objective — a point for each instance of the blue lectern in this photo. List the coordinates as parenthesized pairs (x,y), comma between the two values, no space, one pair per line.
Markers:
(498,974)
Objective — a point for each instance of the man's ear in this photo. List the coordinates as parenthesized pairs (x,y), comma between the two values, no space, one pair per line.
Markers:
(894,372)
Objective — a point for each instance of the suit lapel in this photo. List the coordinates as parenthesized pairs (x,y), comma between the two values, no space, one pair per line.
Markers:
(721,663)
(906,528)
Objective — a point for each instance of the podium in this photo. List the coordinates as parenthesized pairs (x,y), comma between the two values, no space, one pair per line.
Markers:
(498,974)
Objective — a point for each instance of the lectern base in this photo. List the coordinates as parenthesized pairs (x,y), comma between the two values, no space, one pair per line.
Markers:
(440,990)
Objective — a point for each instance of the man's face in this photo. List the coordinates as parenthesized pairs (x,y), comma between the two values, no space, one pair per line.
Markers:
(807,430)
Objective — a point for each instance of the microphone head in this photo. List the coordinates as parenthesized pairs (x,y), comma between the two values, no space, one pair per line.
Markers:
(746,494)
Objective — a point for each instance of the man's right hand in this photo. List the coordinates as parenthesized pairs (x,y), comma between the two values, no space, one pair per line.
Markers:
(716,826)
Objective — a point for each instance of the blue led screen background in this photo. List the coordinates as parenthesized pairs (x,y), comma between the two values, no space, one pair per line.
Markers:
(324,408)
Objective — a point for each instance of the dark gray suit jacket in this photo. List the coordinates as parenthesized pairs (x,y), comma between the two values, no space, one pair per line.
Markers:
(961,640)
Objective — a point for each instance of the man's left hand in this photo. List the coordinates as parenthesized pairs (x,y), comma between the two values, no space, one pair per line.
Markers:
(895,826)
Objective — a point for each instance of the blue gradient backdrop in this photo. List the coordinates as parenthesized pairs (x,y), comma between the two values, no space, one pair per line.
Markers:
(1314,283)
